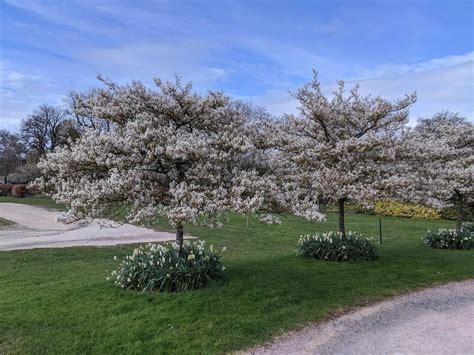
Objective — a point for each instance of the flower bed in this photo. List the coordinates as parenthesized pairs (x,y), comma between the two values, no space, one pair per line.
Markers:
(167,267)
(450,238)
(334,246)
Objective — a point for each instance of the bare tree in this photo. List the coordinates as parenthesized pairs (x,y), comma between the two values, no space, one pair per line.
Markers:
(47,128)
(11,151)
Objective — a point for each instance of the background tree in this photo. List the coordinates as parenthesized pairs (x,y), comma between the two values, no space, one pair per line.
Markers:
(172,152)
(437,162)
(47,128)
(343,145)
(11,153)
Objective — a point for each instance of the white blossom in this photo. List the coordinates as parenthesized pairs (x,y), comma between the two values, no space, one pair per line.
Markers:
(169,152)
(435,164)
(342,148)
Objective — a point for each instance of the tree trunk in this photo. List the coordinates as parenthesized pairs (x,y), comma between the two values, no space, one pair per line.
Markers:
(179,235)
(460,206)
(5,174)
(342,226)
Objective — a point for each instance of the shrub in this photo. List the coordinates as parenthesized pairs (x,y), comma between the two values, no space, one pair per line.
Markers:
(5,189)
(335,247)
(157,267)
(410,210)
(15,190)
(19,190)
(450,213)
(450,238)
(360,208)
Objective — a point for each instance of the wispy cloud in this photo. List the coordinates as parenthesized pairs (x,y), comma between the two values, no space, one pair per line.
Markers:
(450,87)
(148,58)
(11,79)
(388,70)
(441,83)
(75,15)
(21,92)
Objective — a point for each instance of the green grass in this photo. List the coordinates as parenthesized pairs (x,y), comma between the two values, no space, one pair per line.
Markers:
(58,301)
(33,201)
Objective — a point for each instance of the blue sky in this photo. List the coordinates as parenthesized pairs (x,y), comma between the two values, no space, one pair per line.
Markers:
(254,50)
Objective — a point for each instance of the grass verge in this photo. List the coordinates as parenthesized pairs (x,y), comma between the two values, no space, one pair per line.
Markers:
(37,200)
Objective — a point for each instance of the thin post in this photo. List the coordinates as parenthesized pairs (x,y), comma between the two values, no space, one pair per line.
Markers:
(247,220)
(380,230)
(179,234)
(460,206)
(342,226)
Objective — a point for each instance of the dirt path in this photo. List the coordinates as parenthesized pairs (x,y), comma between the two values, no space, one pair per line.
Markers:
(36,227)
(433,321)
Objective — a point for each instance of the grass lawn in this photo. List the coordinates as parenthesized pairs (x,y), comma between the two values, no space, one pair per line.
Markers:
(58,301)
(33,201)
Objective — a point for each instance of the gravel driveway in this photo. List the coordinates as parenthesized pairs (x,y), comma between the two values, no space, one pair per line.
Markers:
(36,227)
(433,321)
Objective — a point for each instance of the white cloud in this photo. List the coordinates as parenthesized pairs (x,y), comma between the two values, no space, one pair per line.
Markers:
(444,88)
(442,83)
(387,70)
(59,12)
(21,93)
(147,60)
(286,58)
(12,79)
(217,73)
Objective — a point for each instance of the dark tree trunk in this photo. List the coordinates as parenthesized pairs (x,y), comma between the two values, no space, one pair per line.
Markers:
(460,203)
(179,235)
(342,225)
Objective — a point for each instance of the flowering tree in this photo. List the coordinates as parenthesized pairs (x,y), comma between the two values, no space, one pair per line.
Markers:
(168,152)
(437,162)
(343,146)
(78,109)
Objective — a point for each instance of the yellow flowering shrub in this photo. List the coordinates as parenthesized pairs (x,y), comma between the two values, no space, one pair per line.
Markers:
(410,210)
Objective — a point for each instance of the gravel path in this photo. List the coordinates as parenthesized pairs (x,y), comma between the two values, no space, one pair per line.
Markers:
(433,321)
(36,227)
